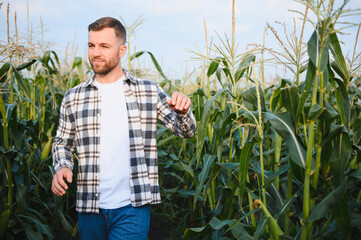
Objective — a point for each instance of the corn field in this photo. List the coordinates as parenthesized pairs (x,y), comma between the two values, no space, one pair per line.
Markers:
(268,161)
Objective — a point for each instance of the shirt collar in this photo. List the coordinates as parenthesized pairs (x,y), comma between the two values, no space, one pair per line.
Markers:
(128,76)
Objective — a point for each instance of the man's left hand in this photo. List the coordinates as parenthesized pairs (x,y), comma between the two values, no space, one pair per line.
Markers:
(179,103)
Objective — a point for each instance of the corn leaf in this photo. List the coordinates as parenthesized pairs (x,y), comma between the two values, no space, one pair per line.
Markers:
(343,102)
(290,98)
(203,176)
(239,232)
(342,215)
(318,51)
(203,126)
(261,227)
(305,89)
(244,159)
(323,207)
(284,126)
(314,112)
(214,66)
(244,65)
(154,60)
(4,221)
(41,227)
(250,96)
(339,65)
(26,64)
(340,157)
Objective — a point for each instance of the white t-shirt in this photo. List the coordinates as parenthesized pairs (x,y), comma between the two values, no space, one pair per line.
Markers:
(114,146)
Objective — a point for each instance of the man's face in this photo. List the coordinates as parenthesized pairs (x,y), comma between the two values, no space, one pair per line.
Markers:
(105,50)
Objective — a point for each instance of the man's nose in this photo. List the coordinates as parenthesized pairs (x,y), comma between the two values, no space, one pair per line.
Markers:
(96,51)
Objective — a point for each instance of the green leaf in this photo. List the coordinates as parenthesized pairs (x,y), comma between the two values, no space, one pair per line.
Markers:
(356,127)
(335,130)
(214,66)
(217,224)
(32,235)
(68,228)
(343,102)
(3,71)
(342,215)
(239,232)
(37,180)
(228,122)
(21,192)
(244,65)
(155,63)
(329,112)
(276,231)
(4,221)
(3,110)
(270,179)
(228,166)
(314,112)
(203,176)
(250,96)
(284,126)
(323,207)
(290,98)
(356,173)
(192,233)
(45,59)
(244,159)
(276,94)
(318,51)
(340,157)
(261,227)
(226,70)
(339,65)
(287,205)
(77,62)
(203,125)
(21,83)
(225,200)
(43,228)
(305,90)
(219,76)
(166,140)
(26,64)
(275,97)
(188,168)
(136,55)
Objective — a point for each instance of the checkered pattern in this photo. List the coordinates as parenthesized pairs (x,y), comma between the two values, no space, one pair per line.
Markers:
(79,129)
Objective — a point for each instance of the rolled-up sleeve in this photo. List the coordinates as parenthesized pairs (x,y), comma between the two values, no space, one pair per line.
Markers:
(181,125)
(63,146)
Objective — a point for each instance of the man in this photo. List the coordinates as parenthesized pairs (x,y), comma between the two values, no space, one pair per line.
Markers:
(111,121)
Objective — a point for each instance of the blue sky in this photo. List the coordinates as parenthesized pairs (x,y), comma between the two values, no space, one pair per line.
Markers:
(171,26)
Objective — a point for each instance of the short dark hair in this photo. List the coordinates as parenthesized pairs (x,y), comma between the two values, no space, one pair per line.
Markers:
(109,22)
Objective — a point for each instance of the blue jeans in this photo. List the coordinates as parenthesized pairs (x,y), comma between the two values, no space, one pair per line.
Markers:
(122,223)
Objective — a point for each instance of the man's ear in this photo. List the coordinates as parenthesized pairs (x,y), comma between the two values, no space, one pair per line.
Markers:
(122,50)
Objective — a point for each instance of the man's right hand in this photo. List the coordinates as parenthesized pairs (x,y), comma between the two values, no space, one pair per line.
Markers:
(59,186)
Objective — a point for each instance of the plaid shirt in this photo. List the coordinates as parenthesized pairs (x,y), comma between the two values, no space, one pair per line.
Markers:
(79,128)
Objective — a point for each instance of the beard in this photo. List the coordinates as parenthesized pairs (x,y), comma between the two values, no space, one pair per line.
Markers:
(103,69)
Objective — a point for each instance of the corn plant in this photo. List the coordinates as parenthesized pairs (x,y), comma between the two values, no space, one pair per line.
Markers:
(290,147)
